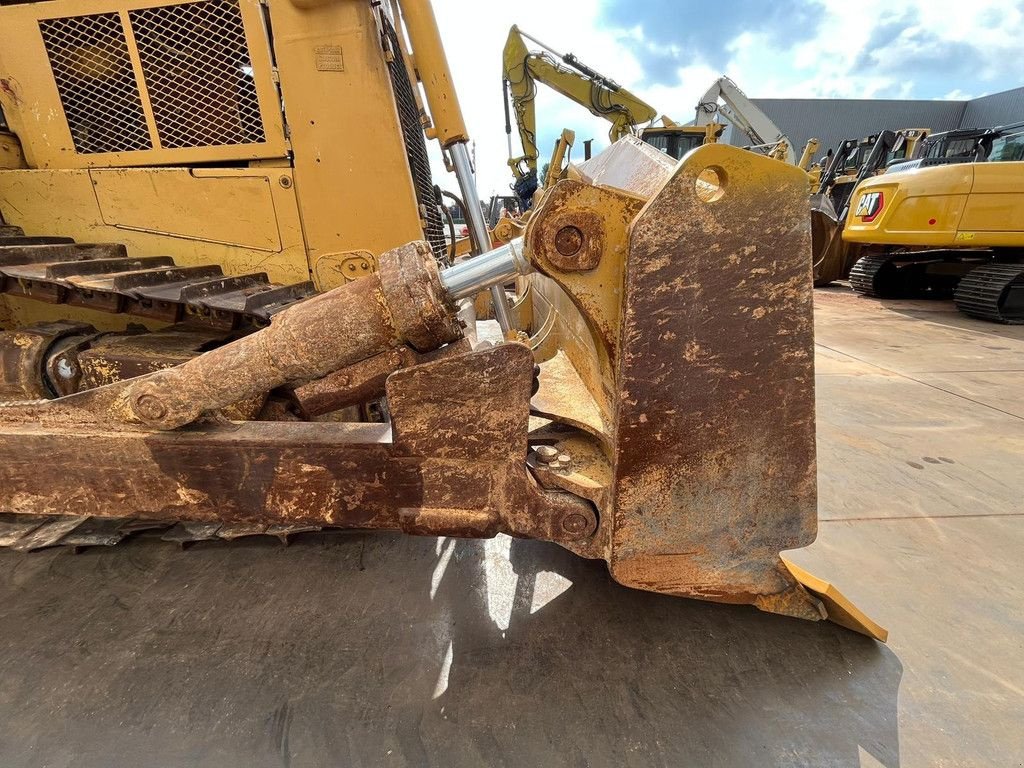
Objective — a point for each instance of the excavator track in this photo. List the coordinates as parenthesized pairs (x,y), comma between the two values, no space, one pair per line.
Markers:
(876,276)
(931,274)
(103,276)
(993,292)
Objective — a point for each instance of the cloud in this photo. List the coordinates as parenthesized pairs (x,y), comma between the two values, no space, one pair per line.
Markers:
(668,52)
(675,33)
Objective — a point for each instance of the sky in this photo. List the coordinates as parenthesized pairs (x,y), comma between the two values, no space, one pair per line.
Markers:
(669,52)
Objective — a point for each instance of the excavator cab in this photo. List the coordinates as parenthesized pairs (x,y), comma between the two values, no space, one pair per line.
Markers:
(676,140)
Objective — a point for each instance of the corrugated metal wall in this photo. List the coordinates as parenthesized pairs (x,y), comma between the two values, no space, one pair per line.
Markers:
(833,120)
(997,109)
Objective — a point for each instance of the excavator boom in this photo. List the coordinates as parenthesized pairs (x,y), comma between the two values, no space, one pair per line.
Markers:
(725,98)
(564,73)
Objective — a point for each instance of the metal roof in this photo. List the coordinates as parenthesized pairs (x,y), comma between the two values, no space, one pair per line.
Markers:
(997,109)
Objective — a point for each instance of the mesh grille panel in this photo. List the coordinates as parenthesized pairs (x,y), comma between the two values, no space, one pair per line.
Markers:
(198,73)
(96,83)
(416,146)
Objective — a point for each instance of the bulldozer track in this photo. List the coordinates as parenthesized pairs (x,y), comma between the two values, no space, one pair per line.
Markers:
(31,533)
(993,292)
(103,276)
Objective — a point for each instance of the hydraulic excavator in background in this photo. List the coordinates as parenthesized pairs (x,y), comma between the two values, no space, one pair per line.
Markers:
(228,310)
(947,225)
(850,163)
(567,75)
(890,152)
(724,99)
(949,222)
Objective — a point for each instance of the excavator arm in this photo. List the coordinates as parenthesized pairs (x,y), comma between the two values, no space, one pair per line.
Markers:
(725,98)
(523,69)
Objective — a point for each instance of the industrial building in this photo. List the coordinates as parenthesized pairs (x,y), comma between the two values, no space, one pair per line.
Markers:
(833,120)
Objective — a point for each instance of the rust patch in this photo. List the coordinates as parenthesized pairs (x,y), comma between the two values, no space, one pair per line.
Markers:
(24,355)
(404,302)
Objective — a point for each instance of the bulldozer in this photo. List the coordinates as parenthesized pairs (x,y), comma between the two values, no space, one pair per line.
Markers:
(228,309)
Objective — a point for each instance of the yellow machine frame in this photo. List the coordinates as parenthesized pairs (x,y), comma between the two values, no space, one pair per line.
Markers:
(280,205)
(965,205)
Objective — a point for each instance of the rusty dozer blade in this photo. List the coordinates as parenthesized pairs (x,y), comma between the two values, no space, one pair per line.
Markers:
(669,430)
(709,386)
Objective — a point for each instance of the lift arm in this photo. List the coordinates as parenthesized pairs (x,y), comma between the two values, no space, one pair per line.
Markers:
(725,98)
(524,68)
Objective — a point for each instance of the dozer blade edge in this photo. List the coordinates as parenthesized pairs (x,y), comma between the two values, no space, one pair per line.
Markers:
(669,431)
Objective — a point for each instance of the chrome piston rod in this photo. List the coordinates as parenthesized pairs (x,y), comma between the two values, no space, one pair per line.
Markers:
(477,226)
(468,278)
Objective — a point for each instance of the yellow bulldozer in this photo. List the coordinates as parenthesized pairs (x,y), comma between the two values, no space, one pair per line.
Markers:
(228,309)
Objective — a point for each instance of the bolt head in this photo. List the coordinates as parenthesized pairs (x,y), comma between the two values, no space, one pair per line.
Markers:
(66,369)
(546,454)
(149,407)
(575,524)
(569,240)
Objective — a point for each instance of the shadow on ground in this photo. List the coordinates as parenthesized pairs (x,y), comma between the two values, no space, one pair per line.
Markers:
(368,650)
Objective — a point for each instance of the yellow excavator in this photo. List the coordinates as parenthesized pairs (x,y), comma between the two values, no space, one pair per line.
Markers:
(938,227)
(949,222)
(850,163)
(228,310)
(627,113)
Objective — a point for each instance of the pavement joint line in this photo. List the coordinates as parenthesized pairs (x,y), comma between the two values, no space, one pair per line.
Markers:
(980,370)
(906,314)
(925,383)
(898,518)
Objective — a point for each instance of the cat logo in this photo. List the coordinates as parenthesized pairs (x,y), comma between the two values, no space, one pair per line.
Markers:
(869,206)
